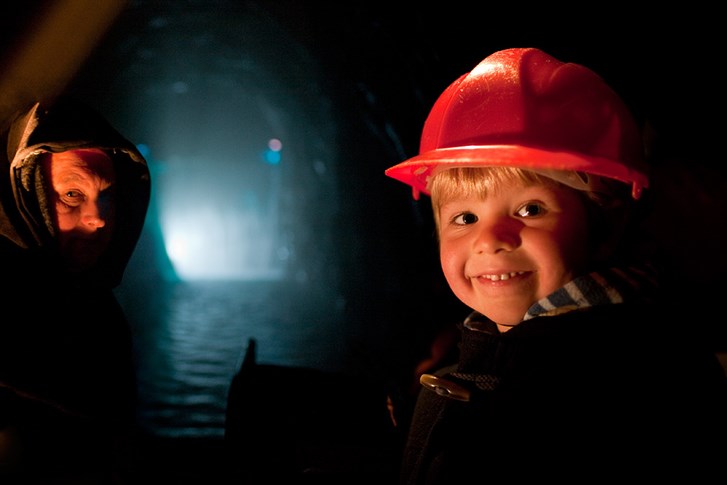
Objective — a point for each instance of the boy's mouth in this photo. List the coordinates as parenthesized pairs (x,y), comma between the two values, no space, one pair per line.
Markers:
(502,276)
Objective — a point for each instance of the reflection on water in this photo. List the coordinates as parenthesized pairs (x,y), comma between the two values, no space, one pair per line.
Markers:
(191,337)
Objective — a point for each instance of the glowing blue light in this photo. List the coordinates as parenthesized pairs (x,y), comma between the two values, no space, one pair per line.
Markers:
(214,243)
(272,153)
(271,157)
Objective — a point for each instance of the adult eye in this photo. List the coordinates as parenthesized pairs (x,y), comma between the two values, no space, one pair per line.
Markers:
(531,209)
(465,218)
(72,197)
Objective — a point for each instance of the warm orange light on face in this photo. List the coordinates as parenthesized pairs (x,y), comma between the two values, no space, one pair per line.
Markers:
(82,195)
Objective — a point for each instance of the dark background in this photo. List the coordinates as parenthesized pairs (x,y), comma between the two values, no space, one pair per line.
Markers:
(359,79)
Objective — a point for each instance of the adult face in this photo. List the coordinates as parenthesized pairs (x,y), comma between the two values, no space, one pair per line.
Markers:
(81,186)
(505,252)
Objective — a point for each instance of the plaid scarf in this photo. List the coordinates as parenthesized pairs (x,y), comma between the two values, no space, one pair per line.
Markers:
(612,286)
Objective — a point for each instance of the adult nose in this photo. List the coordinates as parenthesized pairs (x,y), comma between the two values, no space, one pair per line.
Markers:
(498,233)
(93,216)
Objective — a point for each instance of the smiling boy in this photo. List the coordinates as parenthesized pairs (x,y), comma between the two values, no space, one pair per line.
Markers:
(570,367)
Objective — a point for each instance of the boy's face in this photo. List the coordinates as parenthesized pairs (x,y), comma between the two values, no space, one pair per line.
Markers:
(503,253)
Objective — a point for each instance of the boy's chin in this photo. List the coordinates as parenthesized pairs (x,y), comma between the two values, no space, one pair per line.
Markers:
(504,327)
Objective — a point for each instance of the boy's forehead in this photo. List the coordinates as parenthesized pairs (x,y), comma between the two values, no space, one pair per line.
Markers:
(464,180)
(470,178)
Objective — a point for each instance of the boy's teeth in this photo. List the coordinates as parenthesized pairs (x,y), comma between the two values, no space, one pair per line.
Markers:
(504,276)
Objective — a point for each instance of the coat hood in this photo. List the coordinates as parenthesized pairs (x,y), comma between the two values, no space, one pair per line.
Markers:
(25,218)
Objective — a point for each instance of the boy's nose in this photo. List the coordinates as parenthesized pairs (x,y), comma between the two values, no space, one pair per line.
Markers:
(498,234)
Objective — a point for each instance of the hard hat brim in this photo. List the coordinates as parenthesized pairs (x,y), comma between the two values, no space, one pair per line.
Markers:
(418,170)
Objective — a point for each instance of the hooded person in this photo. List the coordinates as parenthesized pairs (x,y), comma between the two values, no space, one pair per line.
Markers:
(67,376)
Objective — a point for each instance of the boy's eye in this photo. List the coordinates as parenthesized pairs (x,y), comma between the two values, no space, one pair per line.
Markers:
(531,209)
(465,218)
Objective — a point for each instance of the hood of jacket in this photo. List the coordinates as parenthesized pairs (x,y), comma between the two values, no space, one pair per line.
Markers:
(25,218)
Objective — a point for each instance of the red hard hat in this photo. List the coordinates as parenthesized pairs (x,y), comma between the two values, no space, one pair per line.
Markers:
(523,108)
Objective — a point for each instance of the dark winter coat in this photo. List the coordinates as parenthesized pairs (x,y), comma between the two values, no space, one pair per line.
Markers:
(66,360)
(611,392)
